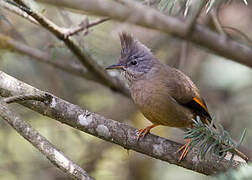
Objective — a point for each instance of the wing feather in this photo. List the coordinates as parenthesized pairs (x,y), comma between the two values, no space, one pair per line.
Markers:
(185,92)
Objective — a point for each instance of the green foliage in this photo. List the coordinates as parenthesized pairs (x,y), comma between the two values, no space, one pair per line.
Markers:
(209,139)
(176,7)
(172,7)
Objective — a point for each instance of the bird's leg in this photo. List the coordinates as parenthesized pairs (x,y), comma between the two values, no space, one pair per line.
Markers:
(145,130)
(185,151)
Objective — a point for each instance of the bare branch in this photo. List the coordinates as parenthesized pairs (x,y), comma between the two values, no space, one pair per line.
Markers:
(84,26)
(19,98)
(54,155)
(222,29)
(216,22)
(97,71)
(18,11)
(238,32)
(150,18)
(13,45)
(113,131)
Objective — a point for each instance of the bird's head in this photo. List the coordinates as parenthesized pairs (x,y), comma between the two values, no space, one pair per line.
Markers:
(136,59)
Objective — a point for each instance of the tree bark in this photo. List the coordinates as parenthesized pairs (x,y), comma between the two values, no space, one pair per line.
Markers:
(113,131)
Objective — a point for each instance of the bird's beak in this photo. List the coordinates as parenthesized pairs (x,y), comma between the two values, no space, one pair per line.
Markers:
(115,66)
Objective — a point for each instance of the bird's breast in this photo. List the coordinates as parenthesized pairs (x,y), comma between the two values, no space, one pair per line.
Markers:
(158,106)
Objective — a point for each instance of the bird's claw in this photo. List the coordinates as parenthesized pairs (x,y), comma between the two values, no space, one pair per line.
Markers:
(145,131)
(141,132)
(185,149)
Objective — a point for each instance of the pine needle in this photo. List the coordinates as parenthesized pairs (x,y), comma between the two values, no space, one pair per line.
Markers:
(209,139)
(168,6)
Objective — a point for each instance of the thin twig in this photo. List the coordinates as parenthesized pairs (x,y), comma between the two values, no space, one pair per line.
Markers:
(242,34)
(98,21)
(216,22)
(223,29)
(85,25)
(58,158)
(82,26)
(19,98)
(83,56)
(36,54)
(18,11)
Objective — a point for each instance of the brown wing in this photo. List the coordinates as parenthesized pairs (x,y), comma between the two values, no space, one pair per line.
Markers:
(185,92)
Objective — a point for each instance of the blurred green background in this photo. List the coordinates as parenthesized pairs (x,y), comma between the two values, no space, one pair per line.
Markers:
(226,86)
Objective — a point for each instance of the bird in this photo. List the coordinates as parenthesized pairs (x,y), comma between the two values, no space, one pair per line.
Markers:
(165,95)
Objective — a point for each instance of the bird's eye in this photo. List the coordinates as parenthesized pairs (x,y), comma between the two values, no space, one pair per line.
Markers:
(133,62)
(134,57)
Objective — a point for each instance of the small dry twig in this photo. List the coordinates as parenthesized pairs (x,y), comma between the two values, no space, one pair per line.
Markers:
(84,25)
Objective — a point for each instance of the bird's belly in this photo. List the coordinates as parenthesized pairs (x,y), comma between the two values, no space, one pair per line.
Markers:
(167,117)
(164,110)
